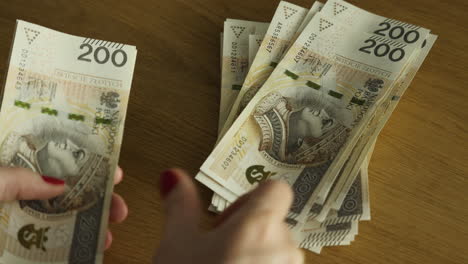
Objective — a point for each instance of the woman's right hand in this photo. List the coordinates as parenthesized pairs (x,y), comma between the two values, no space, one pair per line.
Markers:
(252,230)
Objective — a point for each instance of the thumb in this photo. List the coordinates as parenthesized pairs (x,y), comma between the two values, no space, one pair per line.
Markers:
(268,203)
(182,202)
(24,184)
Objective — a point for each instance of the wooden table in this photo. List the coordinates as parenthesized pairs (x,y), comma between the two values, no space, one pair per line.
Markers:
(418,174)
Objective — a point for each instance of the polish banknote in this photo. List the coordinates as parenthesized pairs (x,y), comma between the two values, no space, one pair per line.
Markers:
(316,7)
(335,204)
(391,29)
(235,59)
(284,24)
(340,226)
(377,45)
(62,115)
(379,120)
(255,40)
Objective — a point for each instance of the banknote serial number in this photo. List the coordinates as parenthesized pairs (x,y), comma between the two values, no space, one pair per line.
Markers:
(274,37)
(234,53)
(235,150)
(21,69)
(303,51)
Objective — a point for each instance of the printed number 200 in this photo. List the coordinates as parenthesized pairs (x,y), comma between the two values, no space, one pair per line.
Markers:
(106,53)
(383,49)
(397,32)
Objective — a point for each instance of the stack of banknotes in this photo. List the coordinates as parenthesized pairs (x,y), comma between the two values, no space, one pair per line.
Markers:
(303,99)
(62,115)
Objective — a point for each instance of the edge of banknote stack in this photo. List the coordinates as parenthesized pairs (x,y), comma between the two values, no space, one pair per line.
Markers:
(303,100)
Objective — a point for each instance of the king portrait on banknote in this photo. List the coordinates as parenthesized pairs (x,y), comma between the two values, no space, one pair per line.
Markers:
(301,129)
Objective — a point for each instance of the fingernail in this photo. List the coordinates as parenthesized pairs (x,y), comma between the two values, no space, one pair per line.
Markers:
(53,181)
(168,181)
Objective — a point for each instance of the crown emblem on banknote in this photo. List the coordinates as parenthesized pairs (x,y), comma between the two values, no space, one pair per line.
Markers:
(31,34)
(257,174)
(29,236)
(324,24)
(110,99)
(237,30)
(289,12)
(338,8)
(374,85)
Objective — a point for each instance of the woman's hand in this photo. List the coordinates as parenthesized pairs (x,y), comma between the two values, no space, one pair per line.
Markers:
(119,210)
(252,230)
(23,184)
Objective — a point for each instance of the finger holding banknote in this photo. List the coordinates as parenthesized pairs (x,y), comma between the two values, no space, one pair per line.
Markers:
(24,184)
(252,232)
(119,209)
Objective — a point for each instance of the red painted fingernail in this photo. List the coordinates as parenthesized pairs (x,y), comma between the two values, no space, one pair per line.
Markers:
(53,181)
(167,182)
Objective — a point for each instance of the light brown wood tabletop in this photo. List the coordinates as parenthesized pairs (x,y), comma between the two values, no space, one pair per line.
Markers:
(419,171)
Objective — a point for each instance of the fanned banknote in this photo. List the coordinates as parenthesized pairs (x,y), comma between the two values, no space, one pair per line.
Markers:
(340,225)
(332,212)
(219,204)
(62,115)
(316,7)
(286,20)
(391,29)
(380,118)
(411,36)
(284,24)
(255,40)
(235,59)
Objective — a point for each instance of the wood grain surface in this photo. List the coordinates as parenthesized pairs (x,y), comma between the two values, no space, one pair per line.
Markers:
(418,174)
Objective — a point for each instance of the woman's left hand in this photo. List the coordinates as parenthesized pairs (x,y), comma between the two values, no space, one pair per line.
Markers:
(24,184)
